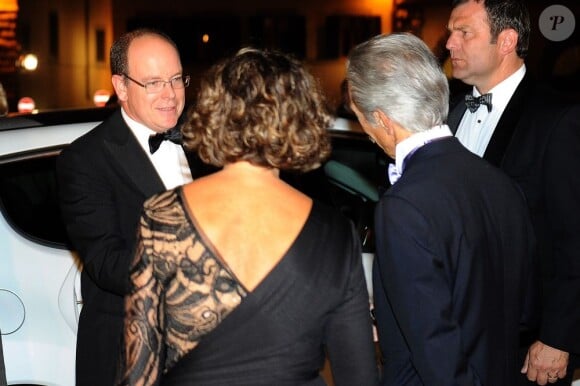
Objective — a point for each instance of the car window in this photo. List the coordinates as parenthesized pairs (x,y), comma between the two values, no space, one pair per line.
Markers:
(29,200)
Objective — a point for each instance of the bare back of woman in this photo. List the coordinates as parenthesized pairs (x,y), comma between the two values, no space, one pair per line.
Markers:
(250,217)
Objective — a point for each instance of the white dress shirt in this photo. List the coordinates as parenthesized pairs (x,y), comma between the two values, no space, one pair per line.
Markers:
(169,160)
(476,129)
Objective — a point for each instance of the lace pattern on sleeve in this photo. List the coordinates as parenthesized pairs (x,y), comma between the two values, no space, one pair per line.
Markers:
(180,291)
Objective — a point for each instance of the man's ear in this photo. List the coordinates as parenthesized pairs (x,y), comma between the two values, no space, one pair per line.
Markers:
(507,41)
(383,121)
(120,86)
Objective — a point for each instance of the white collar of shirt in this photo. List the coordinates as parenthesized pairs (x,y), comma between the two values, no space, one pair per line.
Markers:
(410,144)
(139,130)
(503,91)
(169,160)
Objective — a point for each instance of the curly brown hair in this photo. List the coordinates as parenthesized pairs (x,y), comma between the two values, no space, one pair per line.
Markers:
(263,107)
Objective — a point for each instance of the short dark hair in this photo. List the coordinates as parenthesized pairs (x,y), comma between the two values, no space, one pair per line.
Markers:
(504,14)
(120,48)
(263,107)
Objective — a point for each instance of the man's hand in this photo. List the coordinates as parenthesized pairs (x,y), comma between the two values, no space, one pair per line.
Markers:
(545,364)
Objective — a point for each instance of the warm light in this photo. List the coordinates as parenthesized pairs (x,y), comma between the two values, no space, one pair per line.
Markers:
(205,38)
(101,97)
(29,62)
(383,8)
(9,5)
(26,105)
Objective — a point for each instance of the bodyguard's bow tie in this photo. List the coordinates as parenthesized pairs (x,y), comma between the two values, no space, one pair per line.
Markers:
(173,135)
(473,102)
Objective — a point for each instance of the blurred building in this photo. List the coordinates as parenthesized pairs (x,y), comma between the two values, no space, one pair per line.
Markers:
(71,38)
(9,49)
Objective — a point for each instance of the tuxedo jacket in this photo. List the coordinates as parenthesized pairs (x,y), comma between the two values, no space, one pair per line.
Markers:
(104,178)
(537,143)
(453,242)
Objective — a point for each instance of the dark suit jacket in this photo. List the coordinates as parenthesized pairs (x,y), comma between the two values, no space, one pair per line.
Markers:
(537,143)
(454,242)
(104,178)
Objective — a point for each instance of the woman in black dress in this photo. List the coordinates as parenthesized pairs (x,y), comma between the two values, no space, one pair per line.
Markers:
(238,278)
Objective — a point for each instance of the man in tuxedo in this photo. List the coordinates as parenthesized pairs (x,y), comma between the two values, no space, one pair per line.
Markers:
(533,135)
(104,178)
(453,235)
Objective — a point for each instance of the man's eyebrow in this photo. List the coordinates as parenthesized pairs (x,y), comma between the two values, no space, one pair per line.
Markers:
(456,27)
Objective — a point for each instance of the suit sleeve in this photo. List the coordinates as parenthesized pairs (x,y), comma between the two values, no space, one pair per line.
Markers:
(349,333)
(561,305)
(89,210)
(418,284)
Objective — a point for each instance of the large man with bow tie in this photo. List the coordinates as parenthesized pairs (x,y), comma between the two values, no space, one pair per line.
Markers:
(533,135)
(453,236)
(104,178)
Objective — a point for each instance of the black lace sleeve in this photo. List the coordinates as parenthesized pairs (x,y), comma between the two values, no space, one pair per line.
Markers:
(144,321)
(179,291)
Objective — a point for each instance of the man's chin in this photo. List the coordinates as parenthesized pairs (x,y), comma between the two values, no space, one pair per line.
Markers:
(456,73)
(168,121)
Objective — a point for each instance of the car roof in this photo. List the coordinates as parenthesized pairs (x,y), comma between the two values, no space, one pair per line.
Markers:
(26,132)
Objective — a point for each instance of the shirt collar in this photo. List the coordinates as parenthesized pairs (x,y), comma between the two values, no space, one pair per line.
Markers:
(139,130)
(503,91)
(417,140)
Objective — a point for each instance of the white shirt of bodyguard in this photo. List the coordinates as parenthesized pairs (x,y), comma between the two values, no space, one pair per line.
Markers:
(169,160)
(476,129)
(409,145)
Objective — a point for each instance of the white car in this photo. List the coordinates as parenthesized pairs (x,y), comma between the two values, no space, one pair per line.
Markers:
(39,293)
(40,296)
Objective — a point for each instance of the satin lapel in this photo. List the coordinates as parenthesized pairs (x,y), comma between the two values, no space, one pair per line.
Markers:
(504,131)
(131,158)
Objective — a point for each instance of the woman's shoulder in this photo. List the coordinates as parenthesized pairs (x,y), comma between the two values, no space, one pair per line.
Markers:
(163,199)
(166,206)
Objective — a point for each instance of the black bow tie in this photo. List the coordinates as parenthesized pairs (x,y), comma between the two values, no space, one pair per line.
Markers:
(173,135)
(473,103)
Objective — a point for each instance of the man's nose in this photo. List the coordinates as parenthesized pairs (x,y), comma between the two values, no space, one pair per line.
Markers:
(451,43)
(168,91)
